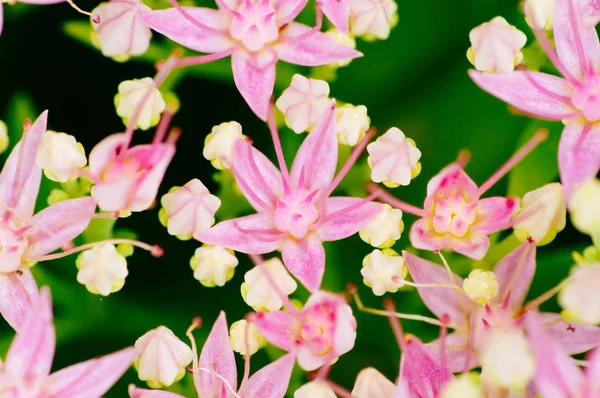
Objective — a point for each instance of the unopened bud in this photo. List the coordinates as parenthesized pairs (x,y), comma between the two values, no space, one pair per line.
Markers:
(257,290)
(303,103)
(580,297)
(130,97)
(60,156)
(370,383)
(385,229)
(102,269)
(394,159)
(481,286)
(213,265)
(237,336)
(352,123)
(544,214)
(219,145)
(384,271)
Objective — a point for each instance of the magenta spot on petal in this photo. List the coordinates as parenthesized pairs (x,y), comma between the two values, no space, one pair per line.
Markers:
(96,19)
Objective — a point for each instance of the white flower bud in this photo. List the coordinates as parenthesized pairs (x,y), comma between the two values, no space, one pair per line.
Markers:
(385,229)
(131,93)
(344,40)
(507,361)
(303,103)
(237,336)
(102,269)
(544,214)
(384,271)
(496,46)
(539,14)
(162,358)
(394,159)
(190,209)
(370,383)
(213,265)
(580,297)
(4,139)
(585,211)
(315,389)
(60,156)
(466,385)
(481,286)
(219,145)
(259,294)
(352,122)
(373,19)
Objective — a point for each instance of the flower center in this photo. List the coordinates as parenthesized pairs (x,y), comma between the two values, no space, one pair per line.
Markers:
(122,169)
(12,247)
(296,212)
(453,215)
(586,98)
(254,24)
(496,318)
(317,330)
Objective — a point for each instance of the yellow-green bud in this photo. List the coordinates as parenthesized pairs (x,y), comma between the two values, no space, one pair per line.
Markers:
(481,286)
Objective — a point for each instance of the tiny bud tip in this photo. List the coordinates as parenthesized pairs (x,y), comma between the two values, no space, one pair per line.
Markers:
(157,251)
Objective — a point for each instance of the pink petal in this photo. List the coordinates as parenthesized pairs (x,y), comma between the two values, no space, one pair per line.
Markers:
(439,301)
(280,328)
(515,272)
(573,337)
(338,12)
(57,225)
(31,353)
(456,353)
(104,153)
(577,46)
(136,392)
(253,234)
(345,216)
(288,10)
(217,355)
(401,390)
(1,19)
(147,185)
(17,291)
(255,82)
(305,259)
(578,154)
(423,236)
(592,371)
(176,27)
(420,370)
(258,178)
(272,381)
(20,178)
(92,378)
(495,214)
(452,180)
(474,245)
(538,94)
(315,50)
(316,159)
(556,375)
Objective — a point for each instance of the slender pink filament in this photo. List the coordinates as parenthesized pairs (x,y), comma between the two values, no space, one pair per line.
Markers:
(541,37)
(353,207)
(193,20)
(261,181)
(277,144)
(163,127)
(328,116)
(204,59)
(308,33)
(155,250)
(545,91)
(585,65)
(395,202)
(463,159)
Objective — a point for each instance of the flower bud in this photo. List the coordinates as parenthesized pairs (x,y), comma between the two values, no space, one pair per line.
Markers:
(237,336)
(481,286)
(344,40)
(539,14)
(352,122)
(384,271)
(60,156)
(189,210)
(370,383)
(258,292)
(590,255)
(102,269)
(466,385)
(385,229)
(315,389)
(4,139)
(544,214)
(220,143)
(162,358)
(585,212)
(303,103)
(394,159)
(373,19)
(131,94)
(57,195)
(507,361)
(213,265)
(496,46)
(580,297)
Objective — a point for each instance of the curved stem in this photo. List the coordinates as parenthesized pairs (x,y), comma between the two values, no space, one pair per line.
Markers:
(277,143)
(386,197)
(154,250)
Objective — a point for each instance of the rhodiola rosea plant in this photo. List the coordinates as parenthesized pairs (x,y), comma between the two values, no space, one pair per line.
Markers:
(293,198)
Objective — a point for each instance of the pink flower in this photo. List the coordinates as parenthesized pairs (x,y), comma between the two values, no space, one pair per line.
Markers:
(294,211)
(556,374)
(256,33)
(26,372)
(573,99)
(27,238)
(323,330)
(215,372)
(514,274)
(38,2)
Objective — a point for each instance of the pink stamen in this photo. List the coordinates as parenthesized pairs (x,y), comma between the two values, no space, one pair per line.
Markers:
(163,126)
(258,261)
(463,158)
(395,202)
(264,186)
(345,210)
(514,160)
(191,19)
(528,75)
(541,37)
(277,143)
(443,334)
(203,59)
(390,307)
(328,116)
(578,43)
(155,250)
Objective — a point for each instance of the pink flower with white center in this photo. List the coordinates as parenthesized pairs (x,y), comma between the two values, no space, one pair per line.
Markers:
(26,238)
(556,374)
(215,372)
(573,99)
(121,31)
(295,212)
(257,34)
(26,371)
(319,333)
(37,2)
(473,323)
